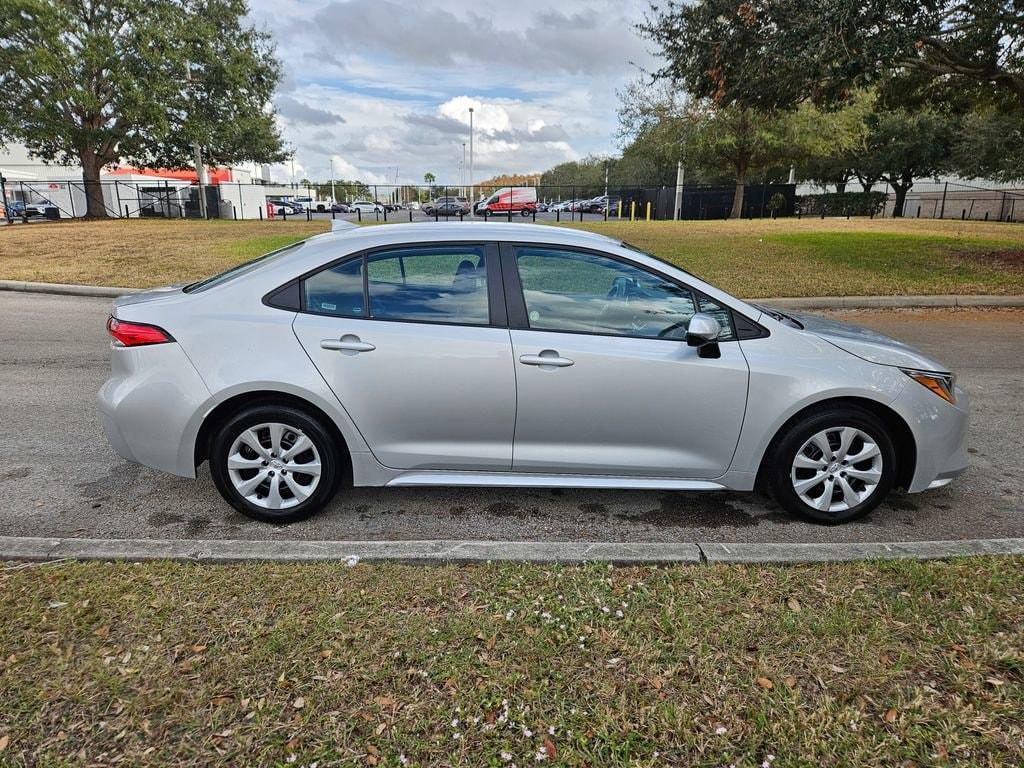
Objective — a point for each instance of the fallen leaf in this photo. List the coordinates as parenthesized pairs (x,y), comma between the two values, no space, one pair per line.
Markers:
(765,683)
(837,668)
(492,642)
(198,648)
(790,681)
(380,729)
(794,604)
(326,653)
(890,716)
(549,748)
(299,702)
(4,741)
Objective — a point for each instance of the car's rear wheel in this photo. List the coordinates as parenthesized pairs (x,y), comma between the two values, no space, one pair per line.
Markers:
(275,463)
(834,466)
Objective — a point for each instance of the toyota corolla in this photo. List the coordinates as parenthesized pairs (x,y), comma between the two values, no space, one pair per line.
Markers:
(478,354)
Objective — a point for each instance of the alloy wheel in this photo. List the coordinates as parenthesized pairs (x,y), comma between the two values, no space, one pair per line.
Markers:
(274,465)
(837,469)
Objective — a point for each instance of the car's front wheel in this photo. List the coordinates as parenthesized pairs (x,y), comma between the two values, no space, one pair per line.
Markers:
(833,466)
(274,463)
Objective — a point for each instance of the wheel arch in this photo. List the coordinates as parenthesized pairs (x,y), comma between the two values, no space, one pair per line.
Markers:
(899,431)
(233,405)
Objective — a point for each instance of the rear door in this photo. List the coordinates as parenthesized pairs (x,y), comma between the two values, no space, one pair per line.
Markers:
(412,341)
(606,382)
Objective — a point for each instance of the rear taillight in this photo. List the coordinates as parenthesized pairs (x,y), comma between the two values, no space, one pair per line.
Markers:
(136,334)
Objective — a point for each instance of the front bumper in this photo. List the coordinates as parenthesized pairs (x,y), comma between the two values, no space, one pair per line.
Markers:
(149,406)
(940,434)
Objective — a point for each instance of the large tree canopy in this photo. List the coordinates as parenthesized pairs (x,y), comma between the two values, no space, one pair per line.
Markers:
(97,81)
(772,54)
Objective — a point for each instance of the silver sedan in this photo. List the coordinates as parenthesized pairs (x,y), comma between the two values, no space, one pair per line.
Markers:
(494,354)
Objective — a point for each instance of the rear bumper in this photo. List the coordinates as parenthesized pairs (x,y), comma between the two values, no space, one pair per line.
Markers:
(940,434)
(149,406)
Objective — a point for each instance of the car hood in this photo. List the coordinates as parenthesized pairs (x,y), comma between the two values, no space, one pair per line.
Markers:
(867,344)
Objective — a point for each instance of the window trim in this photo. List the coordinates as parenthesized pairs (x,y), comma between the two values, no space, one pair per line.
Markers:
(497,317)
(515,300)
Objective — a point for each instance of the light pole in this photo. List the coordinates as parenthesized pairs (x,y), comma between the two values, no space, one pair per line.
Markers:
(472,194)
(462,176)
(333,199)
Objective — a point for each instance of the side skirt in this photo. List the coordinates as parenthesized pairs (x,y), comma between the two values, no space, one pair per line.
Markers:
(532,480)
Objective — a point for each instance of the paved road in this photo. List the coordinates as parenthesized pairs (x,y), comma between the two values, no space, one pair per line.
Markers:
(58,477)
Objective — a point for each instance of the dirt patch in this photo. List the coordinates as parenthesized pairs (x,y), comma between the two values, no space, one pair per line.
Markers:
(1005,258)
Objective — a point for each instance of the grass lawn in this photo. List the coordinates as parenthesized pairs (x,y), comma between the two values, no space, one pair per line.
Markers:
(787,257)
(892,664)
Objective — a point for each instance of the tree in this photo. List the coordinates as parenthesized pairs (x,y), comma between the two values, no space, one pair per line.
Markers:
(902,146)
(95,82)
(429,178)
(991,145)
(772,55)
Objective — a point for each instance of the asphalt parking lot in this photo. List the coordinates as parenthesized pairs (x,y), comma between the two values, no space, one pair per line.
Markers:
(58,476)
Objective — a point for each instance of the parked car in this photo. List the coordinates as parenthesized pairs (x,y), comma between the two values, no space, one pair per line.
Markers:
(340,208)
(521,200)
(366,206)
(312,204)
(39,207)
(284,207)
(447,206)
(514,355)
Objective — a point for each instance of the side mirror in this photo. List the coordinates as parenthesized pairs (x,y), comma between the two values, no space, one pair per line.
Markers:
(703,329)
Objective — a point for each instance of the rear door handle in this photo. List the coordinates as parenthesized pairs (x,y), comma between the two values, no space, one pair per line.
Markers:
(547,357)
(347,343)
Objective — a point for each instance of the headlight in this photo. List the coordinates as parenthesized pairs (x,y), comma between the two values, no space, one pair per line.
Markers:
(940,383)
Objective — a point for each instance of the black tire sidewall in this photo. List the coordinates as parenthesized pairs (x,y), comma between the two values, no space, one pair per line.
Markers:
(798,433)
(329,461)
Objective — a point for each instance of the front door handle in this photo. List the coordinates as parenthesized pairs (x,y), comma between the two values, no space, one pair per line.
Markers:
(347,343)
(547,357)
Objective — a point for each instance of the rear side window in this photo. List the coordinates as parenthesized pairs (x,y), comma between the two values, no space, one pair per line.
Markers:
(439,285)
(337,291)
(427,284)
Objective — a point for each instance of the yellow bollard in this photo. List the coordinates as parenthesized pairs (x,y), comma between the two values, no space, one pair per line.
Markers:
(648,210)
(618,210)
(632,210)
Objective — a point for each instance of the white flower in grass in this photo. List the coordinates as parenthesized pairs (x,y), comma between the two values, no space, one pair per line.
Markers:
(291,758)
(527,732)
(551,730)
(455,723)
(541,755)
(619,614)
(509,614)
(403,759)
(352,561)
(506,756)
(721,730)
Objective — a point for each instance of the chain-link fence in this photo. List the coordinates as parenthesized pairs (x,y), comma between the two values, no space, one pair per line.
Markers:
(152,197)
(176,199)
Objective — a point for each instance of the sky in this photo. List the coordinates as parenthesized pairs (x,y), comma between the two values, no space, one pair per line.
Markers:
(384,87)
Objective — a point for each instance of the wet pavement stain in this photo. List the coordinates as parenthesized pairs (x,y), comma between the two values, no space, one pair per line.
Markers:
(506,509)
(594,509)
(164,519)
(197,526)
(681,510)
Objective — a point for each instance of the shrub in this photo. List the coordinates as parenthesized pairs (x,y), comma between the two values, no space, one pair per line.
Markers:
(842,204)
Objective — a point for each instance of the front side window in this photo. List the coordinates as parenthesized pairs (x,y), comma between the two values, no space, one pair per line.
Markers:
(587,293)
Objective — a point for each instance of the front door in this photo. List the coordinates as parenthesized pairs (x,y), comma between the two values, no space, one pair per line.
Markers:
(406,340)
(606,383)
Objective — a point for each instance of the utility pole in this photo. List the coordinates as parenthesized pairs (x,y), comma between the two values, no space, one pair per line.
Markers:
(462,176)
(472,192)
(606,183)
(293,168)
(201,177)
(333,199)
(680,175)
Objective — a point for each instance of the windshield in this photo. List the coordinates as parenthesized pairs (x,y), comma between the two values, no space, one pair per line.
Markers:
(239,270)
(632,247)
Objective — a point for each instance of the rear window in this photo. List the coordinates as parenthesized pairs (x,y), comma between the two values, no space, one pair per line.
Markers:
(241,269)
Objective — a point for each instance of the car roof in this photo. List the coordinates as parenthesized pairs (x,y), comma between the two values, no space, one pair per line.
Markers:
(371,236)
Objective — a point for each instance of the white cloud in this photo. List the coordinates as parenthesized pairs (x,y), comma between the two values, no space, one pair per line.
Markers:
(382,86)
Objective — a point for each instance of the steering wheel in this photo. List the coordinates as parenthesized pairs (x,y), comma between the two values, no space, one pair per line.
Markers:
(663,333)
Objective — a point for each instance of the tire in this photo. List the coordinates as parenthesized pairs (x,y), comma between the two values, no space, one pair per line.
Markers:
(235,440)
(854,487)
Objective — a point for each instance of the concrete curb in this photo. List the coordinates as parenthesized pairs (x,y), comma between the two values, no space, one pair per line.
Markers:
(815,302)
(66,289)
(893,302)
(442,551)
